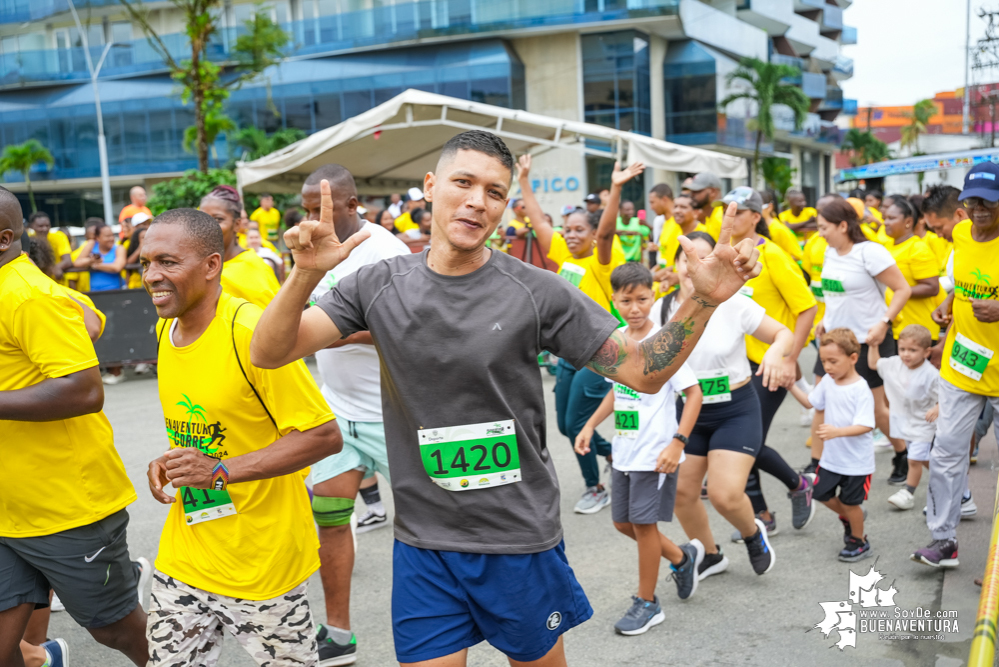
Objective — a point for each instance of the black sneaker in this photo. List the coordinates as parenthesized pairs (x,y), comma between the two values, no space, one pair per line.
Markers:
(899,469)
(685,575)
(802,507)
(855,550)
(332,654)
(810,469)
(370,521)
(712,564)
(761,554)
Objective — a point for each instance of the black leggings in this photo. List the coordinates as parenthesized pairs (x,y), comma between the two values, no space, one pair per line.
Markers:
(768,459)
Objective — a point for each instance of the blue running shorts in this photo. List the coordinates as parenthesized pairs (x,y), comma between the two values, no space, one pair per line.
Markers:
(446,601)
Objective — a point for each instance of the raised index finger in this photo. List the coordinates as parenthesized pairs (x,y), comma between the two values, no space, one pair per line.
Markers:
(728,224)
(326,208)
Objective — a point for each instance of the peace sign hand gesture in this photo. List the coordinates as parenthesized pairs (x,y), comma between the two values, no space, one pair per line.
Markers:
(721,274)
(314,244)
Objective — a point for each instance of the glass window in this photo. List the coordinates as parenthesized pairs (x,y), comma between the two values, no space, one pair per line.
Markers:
(268,115)
(327,111)
(355,102)
(492,91)
(298,113)
(136,136)
(616,80)
(121,31)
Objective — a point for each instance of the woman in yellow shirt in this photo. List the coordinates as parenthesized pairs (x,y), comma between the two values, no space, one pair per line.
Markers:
(918,265)
(785,296)
(585,255)
(244,274)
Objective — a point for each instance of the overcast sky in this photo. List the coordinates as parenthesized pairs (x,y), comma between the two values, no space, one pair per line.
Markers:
(908,50)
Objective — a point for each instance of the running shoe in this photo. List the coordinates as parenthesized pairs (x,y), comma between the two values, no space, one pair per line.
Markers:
(771,527)
(108,378)
(974,454)
(686,575)
(802,507)
(880,439)
(704,489)
(142,369)
(810,470)
(56,604)
(761,554)
(901,499)
(642,616)
(846,526)
(56,653)
(370,521)
(939,553)
(968,507)
(899,469)
(855,550)
(332,653)
(712,564)
(594,499)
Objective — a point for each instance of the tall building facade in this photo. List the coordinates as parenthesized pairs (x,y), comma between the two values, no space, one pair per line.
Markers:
(655,67)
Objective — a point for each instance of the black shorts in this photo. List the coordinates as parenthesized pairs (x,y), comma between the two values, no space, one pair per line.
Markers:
(735,425)
(852,488)
(88,567)
(888,348)
(638,498)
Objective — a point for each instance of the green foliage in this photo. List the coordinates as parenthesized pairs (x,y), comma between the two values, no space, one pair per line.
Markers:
(203,83)
(188,190)
(778,174)
(767,88)
(922,111)
(21,158)
(864,147)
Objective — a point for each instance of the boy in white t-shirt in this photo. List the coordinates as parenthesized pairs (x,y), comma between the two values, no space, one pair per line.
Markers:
(844,405)
(911,387)
(647,450)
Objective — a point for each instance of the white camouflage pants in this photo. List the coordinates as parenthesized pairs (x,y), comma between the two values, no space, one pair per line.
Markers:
(186,623)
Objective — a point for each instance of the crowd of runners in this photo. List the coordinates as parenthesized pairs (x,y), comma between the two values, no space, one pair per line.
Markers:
(429,378)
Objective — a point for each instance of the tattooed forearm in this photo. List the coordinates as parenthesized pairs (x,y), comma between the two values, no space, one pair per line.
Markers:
(702,301)
(661,350)
(608,359)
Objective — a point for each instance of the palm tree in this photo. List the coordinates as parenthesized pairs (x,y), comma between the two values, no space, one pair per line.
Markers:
(919,119)
(767,88)
(21,158)
(256,143)
(864,147)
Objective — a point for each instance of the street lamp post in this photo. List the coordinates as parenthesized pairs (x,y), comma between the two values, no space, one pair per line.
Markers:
(102,147)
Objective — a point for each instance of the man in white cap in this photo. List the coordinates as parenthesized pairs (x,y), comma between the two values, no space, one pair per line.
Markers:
(705,190)
(415,200)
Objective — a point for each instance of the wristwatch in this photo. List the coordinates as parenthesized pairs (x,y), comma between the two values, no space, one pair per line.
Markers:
(886,320)
(682,438)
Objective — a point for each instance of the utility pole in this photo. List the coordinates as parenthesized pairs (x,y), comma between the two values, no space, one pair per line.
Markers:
(102,146)
(967,54)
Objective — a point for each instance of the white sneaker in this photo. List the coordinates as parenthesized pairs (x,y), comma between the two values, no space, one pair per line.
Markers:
(142,369)
(968,507)
(805,415)
(107,378)
(880,439)
(594,499)
(901,499)
(56,604)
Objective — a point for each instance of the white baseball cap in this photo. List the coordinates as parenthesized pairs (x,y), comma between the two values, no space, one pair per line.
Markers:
(415,194)
(140,218)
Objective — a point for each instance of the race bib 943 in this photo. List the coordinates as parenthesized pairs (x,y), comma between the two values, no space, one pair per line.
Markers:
(969,358)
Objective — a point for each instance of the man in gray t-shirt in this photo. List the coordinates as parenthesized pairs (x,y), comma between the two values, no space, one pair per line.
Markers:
(458,329)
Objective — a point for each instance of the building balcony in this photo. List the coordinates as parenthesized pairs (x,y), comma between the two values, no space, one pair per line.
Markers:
(22,11)
(790,61)
(849,35)
(833,99)
(849,107)
(331,34)
(832,19)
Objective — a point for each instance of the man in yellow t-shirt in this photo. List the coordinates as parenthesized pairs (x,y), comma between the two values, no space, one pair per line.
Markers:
(63,486)
(683,222)
(800,218)
(268,217)
(705,191)
(969,371)
(239,539)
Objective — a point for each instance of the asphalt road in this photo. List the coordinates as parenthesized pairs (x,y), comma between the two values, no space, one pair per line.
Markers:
(737,618)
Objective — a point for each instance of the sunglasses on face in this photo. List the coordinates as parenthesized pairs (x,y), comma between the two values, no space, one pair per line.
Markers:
(971,203)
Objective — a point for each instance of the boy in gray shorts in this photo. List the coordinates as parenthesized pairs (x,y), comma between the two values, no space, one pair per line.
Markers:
(646,452)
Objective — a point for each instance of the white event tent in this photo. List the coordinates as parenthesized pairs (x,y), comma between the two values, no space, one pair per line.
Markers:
(396,143)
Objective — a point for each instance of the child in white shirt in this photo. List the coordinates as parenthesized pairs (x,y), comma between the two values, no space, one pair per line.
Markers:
(845,405)
(647,450)
(911,387)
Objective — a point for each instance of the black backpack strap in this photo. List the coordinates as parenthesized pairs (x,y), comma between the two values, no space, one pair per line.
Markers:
(159,337)
(243,371)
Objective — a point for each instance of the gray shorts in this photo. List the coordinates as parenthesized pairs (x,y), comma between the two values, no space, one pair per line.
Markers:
(638,498)
(88,567)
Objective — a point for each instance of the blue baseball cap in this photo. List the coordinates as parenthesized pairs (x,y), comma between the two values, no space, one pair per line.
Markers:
(982,181)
